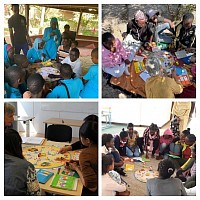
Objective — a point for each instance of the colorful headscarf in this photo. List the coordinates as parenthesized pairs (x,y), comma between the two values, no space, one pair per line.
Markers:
(7,62)
(139,15)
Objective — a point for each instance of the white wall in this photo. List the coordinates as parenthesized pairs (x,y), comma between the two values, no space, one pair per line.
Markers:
(139,112)
(45,110)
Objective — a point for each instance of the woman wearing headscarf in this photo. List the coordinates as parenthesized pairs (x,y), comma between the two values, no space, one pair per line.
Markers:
(8,55)
(52,38)
(138,33)
(37,53)
(138,28)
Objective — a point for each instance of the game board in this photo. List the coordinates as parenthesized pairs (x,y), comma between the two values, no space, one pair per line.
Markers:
(144,174)
(47,157)
(45,71)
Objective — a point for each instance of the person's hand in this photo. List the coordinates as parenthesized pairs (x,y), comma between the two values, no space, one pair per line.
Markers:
(27,95)
(44,55)
(73,165)
(172,25)
(127,62)
(173,73)
(113,49)
(63,150)
(186,173)
(52,33)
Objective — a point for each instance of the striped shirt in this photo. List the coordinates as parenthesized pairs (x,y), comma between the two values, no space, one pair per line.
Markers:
(62,54)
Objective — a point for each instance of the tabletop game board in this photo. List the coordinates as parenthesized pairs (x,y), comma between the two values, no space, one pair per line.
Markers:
(144,174)
(47,157)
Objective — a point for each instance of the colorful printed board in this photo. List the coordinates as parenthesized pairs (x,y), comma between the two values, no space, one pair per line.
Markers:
(46,157)
(144,174)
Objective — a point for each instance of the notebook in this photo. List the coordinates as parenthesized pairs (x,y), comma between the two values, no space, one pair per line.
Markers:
(32,140)
(64,182)
(44,175)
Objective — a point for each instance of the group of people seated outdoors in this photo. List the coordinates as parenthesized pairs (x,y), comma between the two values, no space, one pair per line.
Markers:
(53,46)
(150,32)
(177,152)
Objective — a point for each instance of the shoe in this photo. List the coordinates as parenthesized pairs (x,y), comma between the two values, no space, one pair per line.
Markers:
(127,72)
(159,157)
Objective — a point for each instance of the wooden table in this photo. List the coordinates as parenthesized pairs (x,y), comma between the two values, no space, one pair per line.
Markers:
(47,188)
(61,121)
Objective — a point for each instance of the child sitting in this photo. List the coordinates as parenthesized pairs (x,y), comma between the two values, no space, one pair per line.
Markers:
(120,142)
(114,57)
(187,173)
(90,89)
(157,25)
(165,185)
(35,84)
(64,48)
(185,36)
(108,147)
(178,142)
(21,60)
(14,76)
(8,55)
(111,186)
(74,61)
(159,86)
(38,52)
(69,87)
(165,141)
(74,44)
(185,152)
(132,149)
(88,159)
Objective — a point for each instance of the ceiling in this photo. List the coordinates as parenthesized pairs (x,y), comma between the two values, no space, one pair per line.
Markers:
(87,8)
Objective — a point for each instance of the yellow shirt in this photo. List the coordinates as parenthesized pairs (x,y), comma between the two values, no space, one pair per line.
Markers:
(162,87)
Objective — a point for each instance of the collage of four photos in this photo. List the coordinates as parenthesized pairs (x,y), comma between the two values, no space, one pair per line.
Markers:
(99,107)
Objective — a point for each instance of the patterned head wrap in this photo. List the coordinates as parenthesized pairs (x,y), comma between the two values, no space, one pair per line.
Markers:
(139,15)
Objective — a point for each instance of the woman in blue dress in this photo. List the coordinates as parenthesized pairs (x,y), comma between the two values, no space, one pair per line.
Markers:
(52,38)
(37,53)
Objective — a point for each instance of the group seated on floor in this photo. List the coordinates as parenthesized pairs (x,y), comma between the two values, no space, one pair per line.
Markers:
(177,152)
(151,62)
(51,69)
